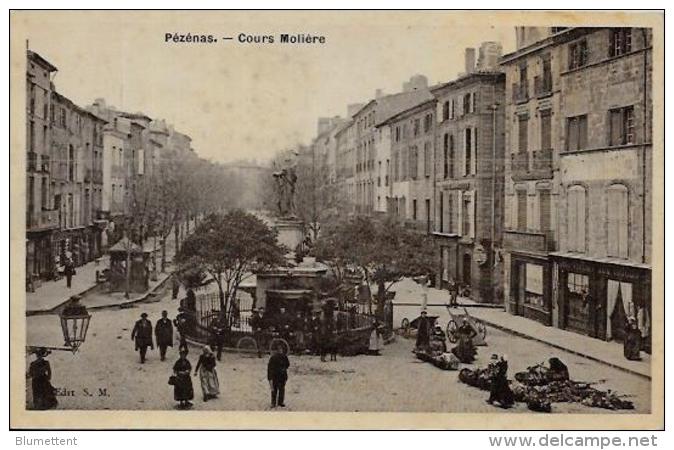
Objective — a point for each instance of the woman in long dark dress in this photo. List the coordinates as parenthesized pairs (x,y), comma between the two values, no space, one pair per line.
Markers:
(183,391)
(44,396)
(465,350)
(632,344)
(500,388)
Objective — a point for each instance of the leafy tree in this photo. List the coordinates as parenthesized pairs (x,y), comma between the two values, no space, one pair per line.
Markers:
(383,250)
(231,247)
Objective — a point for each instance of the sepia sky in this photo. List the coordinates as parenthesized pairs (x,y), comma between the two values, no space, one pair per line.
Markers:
(246,100)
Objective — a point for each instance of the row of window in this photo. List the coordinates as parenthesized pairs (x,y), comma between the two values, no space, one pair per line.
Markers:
(467,103)
(401,131)
(456,212)
(468,165)
(621,130)
(620,44)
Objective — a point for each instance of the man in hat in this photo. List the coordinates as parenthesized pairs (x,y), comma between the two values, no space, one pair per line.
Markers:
(142,334)
(277,374)
(423,331)
(74,307)
(69,271)
(257,323)
(163,331)
(181,323)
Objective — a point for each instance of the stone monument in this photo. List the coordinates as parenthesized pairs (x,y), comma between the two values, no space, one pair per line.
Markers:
(288,226)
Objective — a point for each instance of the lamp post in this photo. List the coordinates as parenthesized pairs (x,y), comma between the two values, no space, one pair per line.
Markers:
(74,320)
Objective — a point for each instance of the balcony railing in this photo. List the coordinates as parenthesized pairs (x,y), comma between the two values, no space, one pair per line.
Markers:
(542,86)
(520,93)
(528,241)
(42,220)
(534,166)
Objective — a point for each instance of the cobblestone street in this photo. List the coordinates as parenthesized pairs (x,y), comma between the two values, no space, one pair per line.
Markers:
(106,374)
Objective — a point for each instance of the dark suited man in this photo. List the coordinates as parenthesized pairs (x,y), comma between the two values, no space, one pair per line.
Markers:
(277,374)
(163,331)
(142,334)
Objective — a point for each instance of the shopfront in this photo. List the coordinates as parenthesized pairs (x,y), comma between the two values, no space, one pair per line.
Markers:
(597,296)
(530,287)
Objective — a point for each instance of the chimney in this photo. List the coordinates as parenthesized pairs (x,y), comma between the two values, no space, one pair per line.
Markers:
(379,93)
(470,60)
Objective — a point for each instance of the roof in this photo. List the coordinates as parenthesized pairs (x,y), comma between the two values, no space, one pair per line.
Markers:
(124,245)
(41,61)
(409,111)
(462,80)
(393,104)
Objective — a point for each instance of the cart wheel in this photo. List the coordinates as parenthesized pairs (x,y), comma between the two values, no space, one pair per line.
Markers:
(451,331)
(279,341)
(481,330)
(247,345)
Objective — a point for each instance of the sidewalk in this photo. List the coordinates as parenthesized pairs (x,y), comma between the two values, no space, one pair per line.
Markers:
(52,294)
(609,353)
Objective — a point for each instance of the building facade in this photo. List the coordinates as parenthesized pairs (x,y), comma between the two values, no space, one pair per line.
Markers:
(469,183)
(578,235)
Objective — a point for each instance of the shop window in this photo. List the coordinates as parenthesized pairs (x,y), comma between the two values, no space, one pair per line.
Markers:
(533,286)
(617,221)
(576,219)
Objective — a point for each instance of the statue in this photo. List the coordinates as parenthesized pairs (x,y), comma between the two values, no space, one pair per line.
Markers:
(286,179)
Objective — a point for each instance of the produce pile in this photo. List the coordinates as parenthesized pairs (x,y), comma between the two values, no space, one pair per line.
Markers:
(540,386)
(444,361)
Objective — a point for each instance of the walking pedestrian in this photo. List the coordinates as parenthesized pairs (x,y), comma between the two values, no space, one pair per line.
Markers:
(207,374)
(163,331)
(142,335)
(44,395)
(277,375)
(181,323)
(183,391)
(218,331)
(175,286)
(69,271)
(453,292)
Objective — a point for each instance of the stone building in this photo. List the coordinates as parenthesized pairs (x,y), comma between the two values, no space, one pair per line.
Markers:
(409,176)
(580,212)
(64,165)
(42,217)
(532,133)
(468,179)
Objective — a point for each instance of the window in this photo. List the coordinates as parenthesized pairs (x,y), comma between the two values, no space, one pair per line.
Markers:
(522,210)
(452,110)
(578,54)
(577,283)
(544,209)
(71,163)
(388,169)
(31,136)
(621,41)
(546,130)
(523,134)
(414,162)
(473,102)
(450,215)
(576,218)
(466,213)
(379,175)
(468,151)
(451,155)
(398,134)
(414,209)
(445,147)
(428,215)
(427,159)
(533,285)
(576,133)
(467,104)
(617,221)
(445,111)
(621,126)
(417,127)
(44,194)
(427,124)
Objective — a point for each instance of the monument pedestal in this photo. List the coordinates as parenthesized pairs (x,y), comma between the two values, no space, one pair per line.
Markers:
(289,231)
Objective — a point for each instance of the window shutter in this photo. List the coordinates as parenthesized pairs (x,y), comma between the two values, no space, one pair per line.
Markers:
(544,210)
(582,132)
(471,211)
(572,134)
(474,153)
(458,207)
(616,127)
(612,218)
(521,210)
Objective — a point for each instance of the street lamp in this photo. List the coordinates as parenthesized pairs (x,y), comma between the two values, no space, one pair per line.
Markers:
(74,319)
